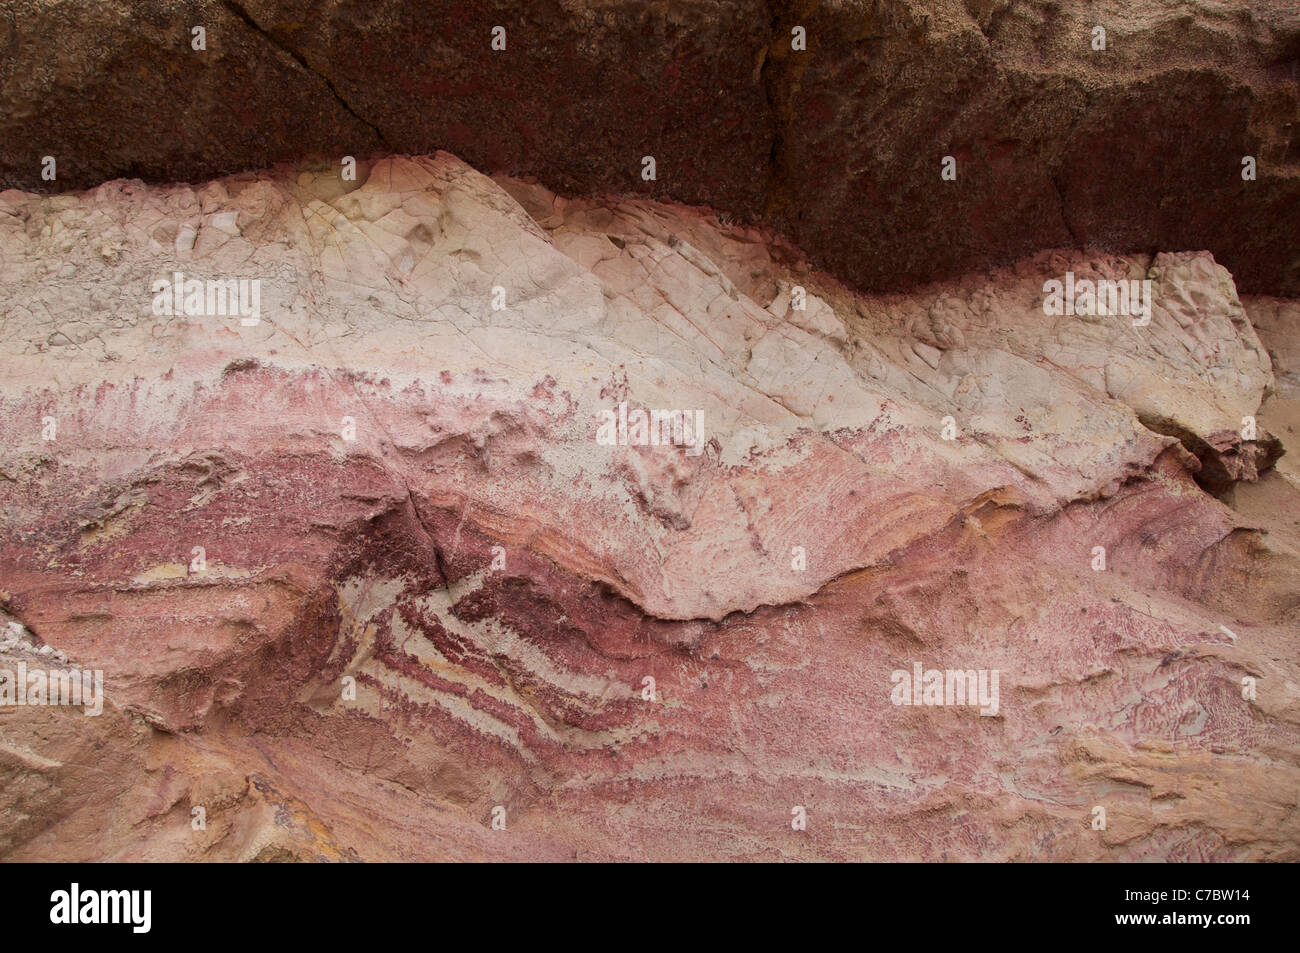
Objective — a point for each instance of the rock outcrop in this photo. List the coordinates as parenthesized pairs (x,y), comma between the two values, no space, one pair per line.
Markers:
(1126,142)
(375,569)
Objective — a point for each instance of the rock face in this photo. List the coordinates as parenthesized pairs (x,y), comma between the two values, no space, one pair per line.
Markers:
(375,570)
(839,143)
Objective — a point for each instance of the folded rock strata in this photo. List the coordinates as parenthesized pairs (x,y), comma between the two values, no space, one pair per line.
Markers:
(393,481)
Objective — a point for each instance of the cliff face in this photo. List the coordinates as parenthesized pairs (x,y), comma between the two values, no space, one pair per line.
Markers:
(1129,148)
(384,567)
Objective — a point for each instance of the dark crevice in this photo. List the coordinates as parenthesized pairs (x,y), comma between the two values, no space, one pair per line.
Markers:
(1065,212)
(423,524)
(1224,465)
(996,19)
(237,10)
(768,81)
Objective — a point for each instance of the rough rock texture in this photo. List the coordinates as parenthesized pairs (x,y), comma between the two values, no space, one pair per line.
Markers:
(514,677)
(1129,149)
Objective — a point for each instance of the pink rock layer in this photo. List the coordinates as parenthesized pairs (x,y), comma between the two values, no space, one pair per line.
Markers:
(365,584)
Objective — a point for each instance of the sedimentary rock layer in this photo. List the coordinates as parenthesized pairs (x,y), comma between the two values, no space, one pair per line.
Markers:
(1128,149)
(363,576)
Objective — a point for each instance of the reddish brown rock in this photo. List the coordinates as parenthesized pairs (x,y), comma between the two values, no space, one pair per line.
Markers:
(1136,147)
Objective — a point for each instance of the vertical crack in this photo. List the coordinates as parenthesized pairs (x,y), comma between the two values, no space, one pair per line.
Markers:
(238,10)
(1065,214)
(774,188)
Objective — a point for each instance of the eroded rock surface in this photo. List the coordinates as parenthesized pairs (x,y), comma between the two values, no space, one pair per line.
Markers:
(396,482)
(1134,147)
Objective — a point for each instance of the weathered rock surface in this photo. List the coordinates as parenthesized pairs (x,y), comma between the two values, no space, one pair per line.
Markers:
(393,481)
(1135,147)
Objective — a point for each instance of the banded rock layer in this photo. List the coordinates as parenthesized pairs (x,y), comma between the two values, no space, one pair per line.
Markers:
(397,484)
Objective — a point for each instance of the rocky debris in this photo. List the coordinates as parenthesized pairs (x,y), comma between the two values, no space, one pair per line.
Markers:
(367,583)
(837,135)
(14,637)
(1226,459)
